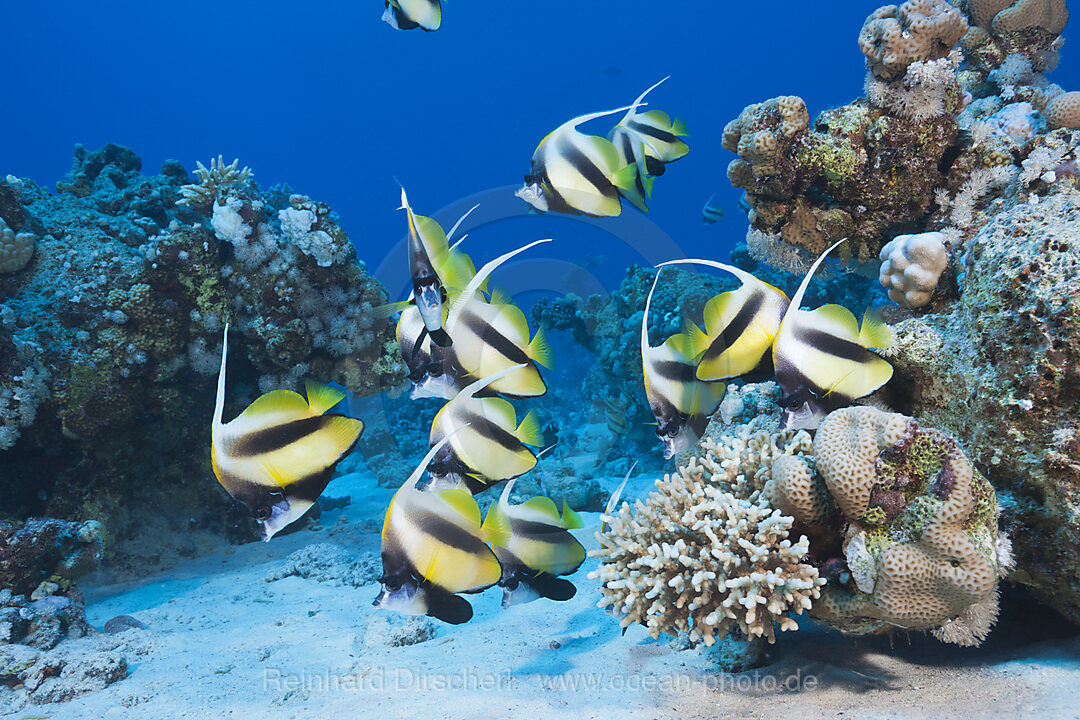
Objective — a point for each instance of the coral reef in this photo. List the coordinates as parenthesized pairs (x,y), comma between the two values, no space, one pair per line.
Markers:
(911,267)
(1000,369)
(61,674)
(326,562)
(110,337)
(1064,111)
(41,552)
(892,38)
(696,558)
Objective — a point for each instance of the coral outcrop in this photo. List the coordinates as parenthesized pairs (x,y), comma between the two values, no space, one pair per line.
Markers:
(16,249)
(693,557)
(893,36)
(1001,370)
(111,336)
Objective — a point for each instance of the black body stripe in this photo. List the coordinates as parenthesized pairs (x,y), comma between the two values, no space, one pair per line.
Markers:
(273,438)
(540,531)
(490,431)
(495,339)
(653,132)
(734,329)
(588,169)
(311,487)
(628,152)
(447,533)
(677,371)
(835,346)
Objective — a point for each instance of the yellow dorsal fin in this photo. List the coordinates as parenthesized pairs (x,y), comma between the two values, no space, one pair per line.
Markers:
(434,239)
(499,297)
(276,402)
(682,346)
(716,309)
(456,271)
(463,504)
(496,527)
(545,507)
(874,333)
(529,431)
(322,397)
(838,320)
(570,519)
(540,349)
(697,342)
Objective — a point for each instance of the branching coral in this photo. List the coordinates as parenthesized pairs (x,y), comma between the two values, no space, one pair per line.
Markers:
(695,558)
(213,182)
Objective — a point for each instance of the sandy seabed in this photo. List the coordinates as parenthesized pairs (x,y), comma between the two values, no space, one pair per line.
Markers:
(221,641)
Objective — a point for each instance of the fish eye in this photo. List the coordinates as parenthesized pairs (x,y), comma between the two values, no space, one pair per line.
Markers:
(262,513)
(437,468)
(435,369)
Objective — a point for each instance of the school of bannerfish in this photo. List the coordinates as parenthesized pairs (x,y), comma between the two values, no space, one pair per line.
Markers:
(466,341)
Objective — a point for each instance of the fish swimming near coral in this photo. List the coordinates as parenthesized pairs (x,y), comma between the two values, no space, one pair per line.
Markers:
(435,269)
(437,371)
(537,550)
(822,358)
(278,455)
(649,140)
(433,547)
(680,401)
(412,14)
(577,173)
(711,213)
(493,336)
(740,325)
(486,443)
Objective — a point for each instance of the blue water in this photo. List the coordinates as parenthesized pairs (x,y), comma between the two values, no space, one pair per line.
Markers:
(325,97)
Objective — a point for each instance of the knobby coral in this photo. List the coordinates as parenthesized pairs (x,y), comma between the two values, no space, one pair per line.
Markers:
(213,182)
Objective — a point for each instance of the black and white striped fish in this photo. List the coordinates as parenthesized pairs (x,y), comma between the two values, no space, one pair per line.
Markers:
(538,548)
(711,213)
(577,173)
(680,401)
(433,547)
(412,14)
(278,455)
(822,358)
(740,325)
(486,442)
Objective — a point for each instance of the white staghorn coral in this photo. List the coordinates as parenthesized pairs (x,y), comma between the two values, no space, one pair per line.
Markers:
(695,558)
(212,181)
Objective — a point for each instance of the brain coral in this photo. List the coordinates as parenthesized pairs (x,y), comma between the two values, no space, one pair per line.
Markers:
(921,543)
(894,37)
(1064,111)
(693,557)
(1012,15)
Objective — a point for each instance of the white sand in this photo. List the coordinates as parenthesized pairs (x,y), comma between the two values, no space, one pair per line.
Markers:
(223,643)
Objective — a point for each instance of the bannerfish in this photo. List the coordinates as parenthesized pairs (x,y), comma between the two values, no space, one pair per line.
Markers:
(577,173)
(680,401)
(431,367)
(538,549)
(412,14)
(493,336)
(433,547)
(711,213)
(278,455)
(647,140)
(486,443)
(740,325)
(613,501)
(822,358)
(435,270)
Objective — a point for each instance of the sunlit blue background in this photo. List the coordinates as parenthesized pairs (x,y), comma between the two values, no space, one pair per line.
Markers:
(325,97)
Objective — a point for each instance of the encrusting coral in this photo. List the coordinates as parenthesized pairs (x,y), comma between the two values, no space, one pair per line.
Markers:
(695,558)
(921,540)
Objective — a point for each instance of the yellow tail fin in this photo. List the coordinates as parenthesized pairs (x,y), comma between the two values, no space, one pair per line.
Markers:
(322,397)
(529,431)
(540,349)
(874,333)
